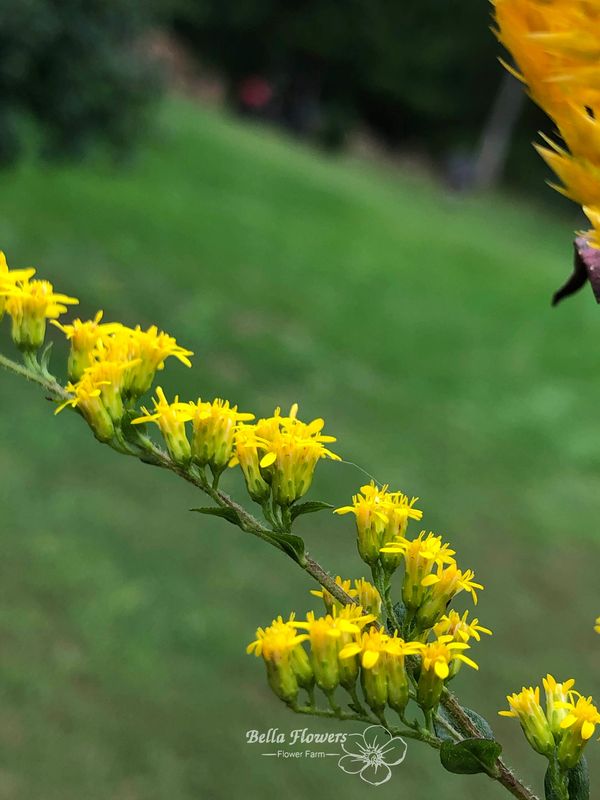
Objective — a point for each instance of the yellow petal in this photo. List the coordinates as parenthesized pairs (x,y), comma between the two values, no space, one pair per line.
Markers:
(268,459)
(441,670)
(370,658)
(587,730)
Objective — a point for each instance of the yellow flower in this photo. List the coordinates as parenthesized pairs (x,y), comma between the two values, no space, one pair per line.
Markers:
(421,555)
(84,338)
(380,517)
(578,728)
(171,419)
(525,706)
(30,304)
(247,456)
(557,697)
(442,587)
(368,597)
(215,425)
(10,277)
(328,599)
(148,349)
(597,625)
(86,396)
(396,650)
(285,659)
(278,456)
(153,347)
(556,45)
(291,450)
(327,636)
(111,377)
(461,630)
(370,647)
(437,659)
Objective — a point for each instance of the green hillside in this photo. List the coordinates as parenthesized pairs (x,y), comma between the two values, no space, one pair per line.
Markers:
(417,324)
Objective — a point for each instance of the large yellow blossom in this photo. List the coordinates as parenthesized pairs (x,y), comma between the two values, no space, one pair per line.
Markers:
(556,47)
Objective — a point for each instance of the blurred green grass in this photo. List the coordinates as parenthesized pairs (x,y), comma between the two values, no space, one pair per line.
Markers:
(416,323)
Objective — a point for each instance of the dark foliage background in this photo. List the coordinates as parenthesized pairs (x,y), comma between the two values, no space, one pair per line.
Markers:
(74,68)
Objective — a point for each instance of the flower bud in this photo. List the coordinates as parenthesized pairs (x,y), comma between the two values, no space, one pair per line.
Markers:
(246,455)
(30,304)
(557,701)
(436,662)
(578,727)
(171,419)
(86,396)
(396,650)
(525,706)
(285,660)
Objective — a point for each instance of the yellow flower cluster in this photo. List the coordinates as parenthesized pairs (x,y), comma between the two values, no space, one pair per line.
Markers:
(111,366)
(344,646)
(556,47)
(432,578)
(29,303)
(278,456)
(381,516)
(564,727)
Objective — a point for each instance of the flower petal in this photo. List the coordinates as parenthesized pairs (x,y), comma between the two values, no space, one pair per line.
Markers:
(376,774)
(352,764)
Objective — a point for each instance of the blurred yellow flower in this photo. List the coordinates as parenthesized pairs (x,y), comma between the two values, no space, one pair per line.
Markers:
(29,304)
(556,46)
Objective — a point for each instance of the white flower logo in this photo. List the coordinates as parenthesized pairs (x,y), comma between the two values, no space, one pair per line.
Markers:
(371,753)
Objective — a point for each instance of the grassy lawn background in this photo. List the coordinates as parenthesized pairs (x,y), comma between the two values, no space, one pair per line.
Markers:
(418,325)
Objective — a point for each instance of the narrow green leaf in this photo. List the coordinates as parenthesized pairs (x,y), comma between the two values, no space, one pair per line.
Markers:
(310,507)
(471,756)
(225,513)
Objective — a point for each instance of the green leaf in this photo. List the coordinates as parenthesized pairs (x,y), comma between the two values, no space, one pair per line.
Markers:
(291,544)
(482,725)
(216,511)
(309,507)
(471,756)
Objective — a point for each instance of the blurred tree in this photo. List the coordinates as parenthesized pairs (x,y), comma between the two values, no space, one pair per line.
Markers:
(74,68)
(414,70)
